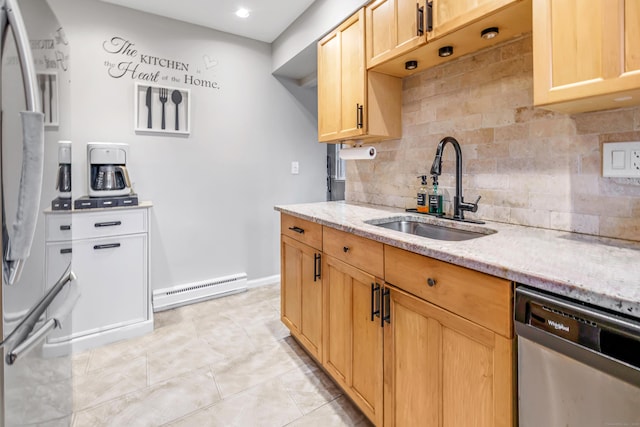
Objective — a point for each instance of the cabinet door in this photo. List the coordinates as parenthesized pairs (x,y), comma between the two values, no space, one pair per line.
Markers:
(394,27)
(449,15)
(301,294)
(342,81)
(112,277)
(353,335)
(586,54)
(442,370)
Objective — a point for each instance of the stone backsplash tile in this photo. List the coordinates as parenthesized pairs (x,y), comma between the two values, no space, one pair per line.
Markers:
(531,166)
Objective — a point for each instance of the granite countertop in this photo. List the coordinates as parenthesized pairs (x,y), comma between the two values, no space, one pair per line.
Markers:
(600,271)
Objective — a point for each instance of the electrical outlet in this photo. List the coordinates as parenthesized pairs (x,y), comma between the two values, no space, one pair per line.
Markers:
(621,159)
(635,160)
(295,168)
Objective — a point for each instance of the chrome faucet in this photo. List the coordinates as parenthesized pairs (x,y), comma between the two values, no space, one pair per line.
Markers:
(459,205)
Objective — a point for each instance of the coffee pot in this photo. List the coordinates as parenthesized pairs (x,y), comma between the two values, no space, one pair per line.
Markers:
(108,175)
(63,177)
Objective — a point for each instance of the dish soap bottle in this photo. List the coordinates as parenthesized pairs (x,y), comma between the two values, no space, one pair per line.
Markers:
(423,207)
(435,199)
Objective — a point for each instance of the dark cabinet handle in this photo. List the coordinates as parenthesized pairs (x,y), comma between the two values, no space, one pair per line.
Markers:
(65,227)
(431,282)
(317,266)
(359,115)
(107,246)
(345,249)
(108,224)
(375,300)
(385,307)
(420,19)
(65,251)
(297,229)
(429,16)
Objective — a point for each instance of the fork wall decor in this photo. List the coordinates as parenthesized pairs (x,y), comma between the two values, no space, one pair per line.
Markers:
(162,109)
(48,93)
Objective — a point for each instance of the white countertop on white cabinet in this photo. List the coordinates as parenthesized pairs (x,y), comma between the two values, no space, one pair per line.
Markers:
(600,271)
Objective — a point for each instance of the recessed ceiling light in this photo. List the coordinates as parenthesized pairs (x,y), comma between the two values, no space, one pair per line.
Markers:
(242,13)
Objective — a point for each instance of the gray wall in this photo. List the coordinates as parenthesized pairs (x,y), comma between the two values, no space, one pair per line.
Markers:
(214,191)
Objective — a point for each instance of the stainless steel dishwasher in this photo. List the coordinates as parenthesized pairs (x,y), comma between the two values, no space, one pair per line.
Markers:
(578,366)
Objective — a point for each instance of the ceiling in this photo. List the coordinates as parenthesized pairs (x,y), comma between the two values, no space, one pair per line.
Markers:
(268,19)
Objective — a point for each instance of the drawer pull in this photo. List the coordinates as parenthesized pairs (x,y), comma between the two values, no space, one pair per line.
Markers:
(66,251)
(385,307)
(297,229)
(345,249)
(108,224)
(65,227)
(375,300)
(107,246)
(317,267)
(431,282)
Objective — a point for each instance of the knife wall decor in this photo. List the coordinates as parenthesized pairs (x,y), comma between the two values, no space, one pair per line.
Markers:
(162,109)
(48,93)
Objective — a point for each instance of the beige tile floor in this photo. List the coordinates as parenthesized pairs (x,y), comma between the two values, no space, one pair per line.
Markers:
(224,362)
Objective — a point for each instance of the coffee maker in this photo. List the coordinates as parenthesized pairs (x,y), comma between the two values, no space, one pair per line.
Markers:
(63,180)
(63,177)
(108,176)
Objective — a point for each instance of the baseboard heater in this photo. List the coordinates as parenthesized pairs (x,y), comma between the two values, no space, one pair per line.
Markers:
(188,293)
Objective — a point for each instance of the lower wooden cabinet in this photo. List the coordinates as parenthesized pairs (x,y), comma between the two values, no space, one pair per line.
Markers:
(443,370)
(353,334)
(428,344)
(301,294)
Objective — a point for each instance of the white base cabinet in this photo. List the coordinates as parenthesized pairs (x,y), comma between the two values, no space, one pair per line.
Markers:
(109,253)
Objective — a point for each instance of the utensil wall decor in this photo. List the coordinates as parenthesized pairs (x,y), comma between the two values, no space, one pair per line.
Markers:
(48,92)
(156,106)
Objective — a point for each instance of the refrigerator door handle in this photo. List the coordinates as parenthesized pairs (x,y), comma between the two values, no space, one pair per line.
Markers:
(17,245)
(14,20)
(19,341)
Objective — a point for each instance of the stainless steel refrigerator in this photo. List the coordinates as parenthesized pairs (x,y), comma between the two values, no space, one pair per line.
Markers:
(36,388)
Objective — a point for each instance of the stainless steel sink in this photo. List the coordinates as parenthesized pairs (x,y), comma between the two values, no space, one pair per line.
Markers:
(433,231)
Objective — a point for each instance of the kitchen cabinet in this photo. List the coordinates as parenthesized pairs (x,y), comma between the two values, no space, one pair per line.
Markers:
(108,251)
(443,370)
(450,15)
(354,104)
(394,27)
(586,54)
(352,326)
(448,344)
(392,30)
(301,282)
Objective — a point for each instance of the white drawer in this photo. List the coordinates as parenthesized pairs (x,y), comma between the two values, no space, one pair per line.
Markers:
(58,227)
(87,225)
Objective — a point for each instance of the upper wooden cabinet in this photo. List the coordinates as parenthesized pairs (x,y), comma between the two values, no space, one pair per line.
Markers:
(450,15)
(393,28)
(354,104)
(586,54)
(393,35)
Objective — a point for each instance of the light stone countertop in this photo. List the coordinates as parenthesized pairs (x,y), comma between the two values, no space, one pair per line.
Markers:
(601,271)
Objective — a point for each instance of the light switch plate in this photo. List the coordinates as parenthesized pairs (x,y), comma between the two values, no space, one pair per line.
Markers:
(621,159)
(295,168)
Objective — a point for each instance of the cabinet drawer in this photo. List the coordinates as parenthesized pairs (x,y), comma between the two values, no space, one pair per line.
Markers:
(479,297)
(112,223)
(365,254)
(302,230)
(58,227)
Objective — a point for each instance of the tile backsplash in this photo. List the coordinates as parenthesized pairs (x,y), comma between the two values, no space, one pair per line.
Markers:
(531,166)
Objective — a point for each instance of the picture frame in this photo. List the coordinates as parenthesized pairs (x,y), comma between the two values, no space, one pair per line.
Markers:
(48,92)
(151,117)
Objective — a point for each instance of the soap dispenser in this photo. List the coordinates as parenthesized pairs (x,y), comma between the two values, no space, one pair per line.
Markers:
(435,198)
(423,207)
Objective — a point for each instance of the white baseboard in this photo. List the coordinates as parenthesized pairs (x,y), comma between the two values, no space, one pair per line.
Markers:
(263,281)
